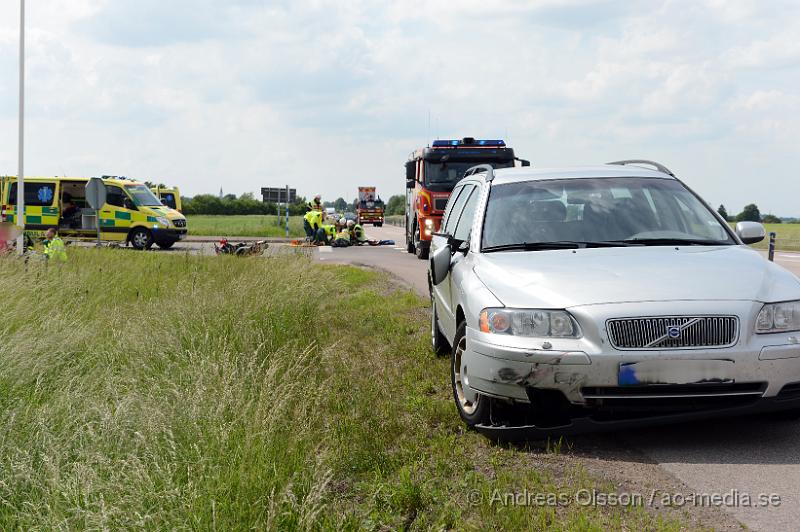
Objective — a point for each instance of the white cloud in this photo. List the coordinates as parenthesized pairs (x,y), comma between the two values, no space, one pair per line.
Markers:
(327,95)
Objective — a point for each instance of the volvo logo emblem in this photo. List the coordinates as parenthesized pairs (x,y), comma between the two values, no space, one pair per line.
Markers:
(673,331)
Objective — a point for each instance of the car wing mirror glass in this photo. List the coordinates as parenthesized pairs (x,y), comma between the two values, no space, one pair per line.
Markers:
(440,264)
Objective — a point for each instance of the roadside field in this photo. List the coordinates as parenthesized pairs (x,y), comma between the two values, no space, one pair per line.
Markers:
(243,225)
(164,391)
(787,237)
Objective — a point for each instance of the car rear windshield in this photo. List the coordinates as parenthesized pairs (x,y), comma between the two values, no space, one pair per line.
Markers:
(625,210)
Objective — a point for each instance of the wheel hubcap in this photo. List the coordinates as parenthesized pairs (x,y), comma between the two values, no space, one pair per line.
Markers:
(466,405)
(140,239)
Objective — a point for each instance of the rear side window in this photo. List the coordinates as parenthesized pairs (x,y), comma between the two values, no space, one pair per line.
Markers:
(458,206)
(36,194)
(467,216)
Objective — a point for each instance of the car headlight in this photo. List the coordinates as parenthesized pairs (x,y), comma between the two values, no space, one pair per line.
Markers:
(163,221)
(537,323)
(779,317)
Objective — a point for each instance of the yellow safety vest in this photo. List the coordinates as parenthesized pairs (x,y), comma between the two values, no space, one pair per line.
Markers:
(314,219)
(330,230)
(56,250)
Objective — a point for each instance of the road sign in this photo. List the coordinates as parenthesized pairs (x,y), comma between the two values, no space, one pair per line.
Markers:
(96,193)
(278,195)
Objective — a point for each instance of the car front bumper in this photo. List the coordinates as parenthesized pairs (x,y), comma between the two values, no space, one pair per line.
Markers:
(170,235)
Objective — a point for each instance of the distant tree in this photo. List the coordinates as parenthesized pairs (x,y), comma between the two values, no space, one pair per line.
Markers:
(723,212)
(771,219)
(750,213)
(396,205)
(340,205)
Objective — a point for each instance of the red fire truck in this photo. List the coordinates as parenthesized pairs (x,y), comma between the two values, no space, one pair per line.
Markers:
(432,173)
(370,207)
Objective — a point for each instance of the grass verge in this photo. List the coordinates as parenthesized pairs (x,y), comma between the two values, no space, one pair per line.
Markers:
(244,225)
(229,394)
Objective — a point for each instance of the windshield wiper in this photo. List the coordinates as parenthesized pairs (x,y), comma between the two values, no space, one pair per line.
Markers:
(675,242)
(558,244)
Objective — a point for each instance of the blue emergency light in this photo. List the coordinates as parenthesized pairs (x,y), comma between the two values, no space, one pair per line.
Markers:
(495,143)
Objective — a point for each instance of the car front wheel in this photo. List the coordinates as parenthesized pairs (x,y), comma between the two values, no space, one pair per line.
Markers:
(472,407)
(141,238)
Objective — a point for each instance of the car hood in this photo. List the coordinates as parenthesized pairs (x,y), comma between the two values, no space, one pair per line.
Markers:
(568,278)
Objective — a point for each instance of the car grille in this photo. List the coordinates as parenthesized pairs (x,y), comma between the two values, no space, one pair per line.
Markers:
(179,223)
(439,204)
(673,332)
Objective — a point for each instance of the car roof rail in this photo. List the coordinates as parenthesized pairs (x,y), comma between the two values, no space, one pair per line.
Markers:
(658,166)
(481,168)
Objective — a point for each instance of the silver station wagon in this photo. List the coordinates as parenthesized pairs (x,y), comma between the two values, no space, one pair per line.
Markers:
(576,299)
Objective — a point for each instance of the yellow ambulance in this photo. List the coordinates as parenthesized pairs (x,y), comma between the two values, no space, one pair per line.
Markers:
(169,196)
(131,215)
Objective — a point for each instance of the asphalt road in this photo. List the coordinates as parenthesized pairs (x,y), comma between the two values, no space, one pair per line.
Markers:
(734,458)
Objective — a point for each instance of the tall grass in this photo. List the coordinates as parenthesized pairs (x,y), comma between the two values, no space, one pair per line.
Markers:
(167,391)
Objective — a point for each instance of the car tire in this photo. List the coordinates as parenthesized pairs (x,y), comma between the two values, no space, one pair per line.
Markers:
(410,239)
(378,224)
(165,245)
(141,238)
(473,413)
(439,342)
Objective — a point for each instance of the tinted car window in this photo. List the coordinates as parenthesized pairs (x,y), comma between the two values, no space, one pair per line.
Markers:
(449,207)
(115,196)
(458,206)
(465,222)
(36,194)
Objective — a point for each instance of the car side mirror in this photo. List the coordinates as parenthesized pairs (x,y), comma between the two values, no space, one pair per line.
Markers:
(750,232)
(523,162)
(440,264)
(411,183)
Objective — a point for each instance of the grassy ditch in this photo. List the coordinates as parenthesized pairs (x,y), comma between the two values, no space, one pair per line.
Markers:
(244,225)
(167,391)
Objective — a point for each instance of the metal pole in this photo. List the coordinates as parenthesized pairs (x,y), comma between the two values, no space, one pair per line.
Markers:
(771,254)
(287,211)
(20,218)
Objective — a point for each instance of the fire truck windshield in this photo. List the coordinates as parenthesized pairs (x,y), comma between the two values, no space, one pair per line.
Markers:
(449,173)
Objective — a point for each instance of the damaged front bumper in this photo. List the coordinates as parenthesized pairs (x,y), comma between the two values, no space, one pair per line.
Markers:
(583,390)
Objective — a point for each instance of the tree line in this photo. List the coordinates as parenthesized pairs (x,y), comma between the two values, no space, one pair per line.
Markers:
(248,204)
(750,213)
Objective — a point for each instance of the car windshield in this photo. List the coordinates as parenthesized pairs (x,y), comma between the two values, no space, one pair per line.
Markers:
(600,211)
(142,196)
(451,172)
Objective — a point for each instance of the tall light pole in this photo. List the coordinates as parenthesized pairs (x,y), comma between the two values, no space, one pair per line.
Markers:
(20,218)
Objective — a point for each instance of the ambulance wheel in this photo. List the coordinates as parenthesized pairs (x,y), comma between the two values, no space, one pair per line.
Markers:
(141,238)
(165,245)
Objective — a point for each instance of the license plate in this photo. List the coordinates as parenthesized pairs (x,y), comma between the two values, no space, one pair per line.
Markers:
(675,372)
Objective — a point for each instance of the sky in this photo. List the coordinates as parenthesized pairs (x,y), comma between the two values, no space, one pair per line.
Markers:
(327,95)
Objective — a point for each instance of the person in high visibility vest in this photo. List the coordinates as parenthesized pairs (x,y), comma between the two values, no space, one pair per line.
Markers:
(330,232)
(315,204)
(312,225)
(357,235)
(342,239)
(54,248)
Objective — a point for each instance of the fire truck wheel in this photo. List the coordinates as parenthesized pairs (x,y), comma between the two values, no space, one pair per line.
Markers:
(420,247)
